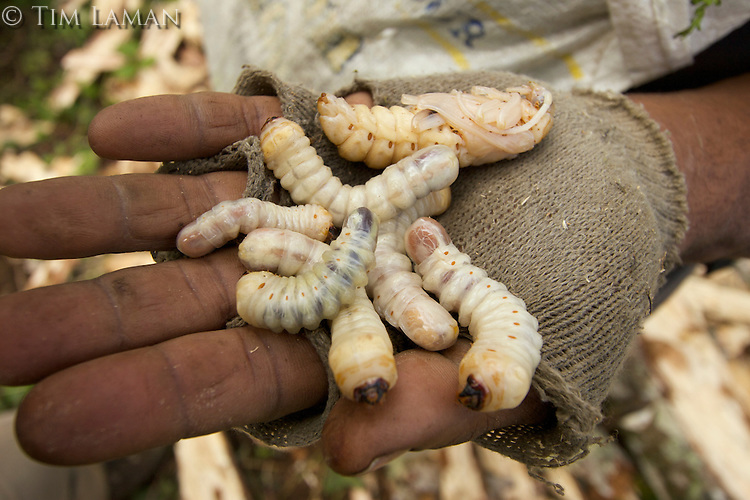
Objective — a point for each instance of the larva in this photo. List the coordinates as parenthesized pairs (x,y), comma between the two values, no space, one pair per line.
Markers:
(397,292)
(496,372)
(361,353)
(482,126)
(290,303)
(281,251)
(228,219)
(301,171)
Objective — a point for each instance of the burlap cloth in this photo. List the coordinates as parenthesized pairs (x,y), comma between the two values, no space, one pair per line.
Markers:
(583,228)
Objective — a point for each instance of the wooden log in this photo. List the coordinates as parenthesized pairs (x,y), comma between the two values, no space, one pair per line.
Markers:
(206,469)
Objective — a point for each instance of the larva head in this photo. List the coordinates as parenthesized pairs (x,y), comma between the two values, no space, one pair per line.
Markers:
(500,383)
(372,392)
(329,105)
(423,237)
(473,394)
(362,219)
(272,123)
(332,106)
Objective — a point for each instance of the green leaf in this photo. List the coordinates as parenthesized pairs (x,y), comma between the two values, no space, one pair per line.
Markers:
(700,11)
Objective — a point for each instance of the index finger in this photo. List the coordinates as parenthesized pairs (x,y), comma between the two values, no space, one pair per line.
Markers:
(178,127)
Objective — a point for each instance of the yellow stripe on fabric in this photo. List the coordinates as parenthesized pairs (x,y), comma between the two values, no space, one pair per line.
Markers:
(539,41)
(452,50)
(575,70)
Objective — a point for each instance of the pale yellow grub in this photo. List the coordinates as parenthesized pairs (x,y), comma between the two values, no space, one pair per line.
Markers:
(361,354)
(482,126)
(497,370)
(226,220)
(397,292)
(291,303)
(301,171)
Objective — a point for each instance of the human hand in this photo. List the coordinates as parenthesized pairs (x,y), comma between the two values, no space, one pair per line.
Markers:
(139,358)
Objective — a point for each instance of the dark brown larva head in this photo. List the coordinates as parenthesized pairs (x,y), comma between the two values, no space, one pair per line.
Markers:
(372,392)
(474,394)
(269,120)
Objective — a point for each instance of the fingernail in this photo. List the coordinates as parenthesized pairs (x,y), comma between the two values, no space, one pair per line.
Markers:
(381,461)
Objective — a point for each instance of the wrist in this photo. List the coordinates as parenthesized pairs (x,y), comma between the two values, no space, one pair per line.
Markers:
(706,128)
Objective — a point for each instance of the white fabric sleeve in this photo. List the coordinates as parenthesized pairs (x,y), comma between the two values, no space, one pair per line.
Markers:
(592,44)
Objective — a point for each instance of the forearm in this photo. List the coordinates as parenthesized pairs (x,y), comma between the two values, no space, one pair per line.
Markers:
(708,130)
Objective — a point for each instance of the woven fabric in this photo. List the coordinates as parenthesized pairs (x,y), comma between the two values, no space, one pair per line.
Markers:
(583,228)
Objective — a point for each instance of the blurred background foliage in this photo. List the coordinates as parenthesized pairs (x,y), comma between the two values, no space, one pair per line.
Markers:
(31,70)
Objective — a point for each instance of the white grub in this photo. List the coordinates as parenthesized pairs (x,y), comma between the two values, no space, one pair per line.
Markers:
(361,353)
(228,219)
(283,251)
(397,292)
(482,126)
(290,303)
(301,171)
(497,370)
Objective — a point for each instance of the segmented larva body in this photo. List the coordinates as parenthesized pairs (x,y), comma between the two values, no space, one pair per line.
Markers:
(361,353)
(290,303)
(397,292)
(282,251)
(497,370)
(483,126)
(226,220)
(301,171)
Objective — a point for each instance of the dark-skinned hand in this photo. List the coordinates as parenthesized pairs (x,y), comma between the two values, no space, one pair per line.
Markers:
(139,358)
